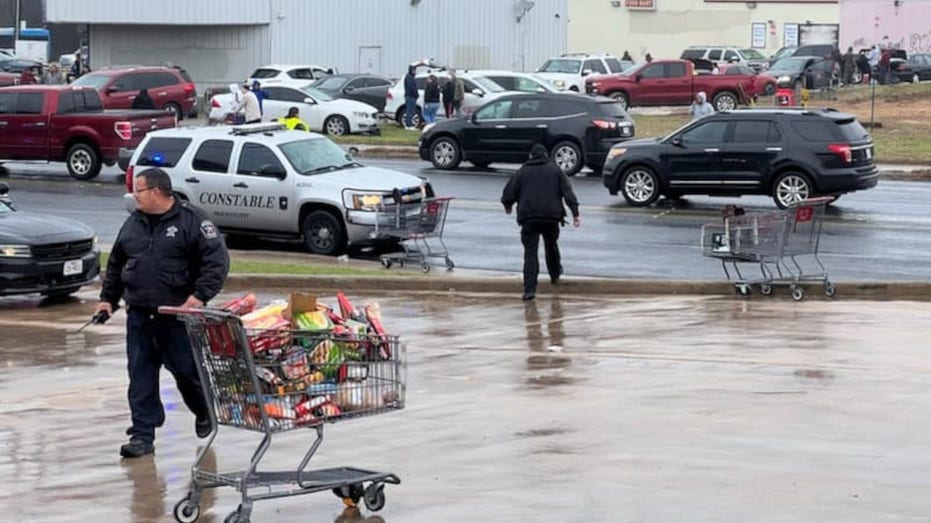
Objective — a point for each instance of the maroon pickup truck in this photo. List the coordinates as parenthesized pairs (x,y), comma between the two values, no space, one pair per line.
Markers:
(672,82)
(61,123)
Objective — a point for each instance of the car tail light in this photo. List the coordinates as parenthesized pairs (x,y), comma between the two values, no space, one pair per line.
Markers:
(189,88)
(842,150)
(124,130)
(604,124)
(129,179)
(214,102)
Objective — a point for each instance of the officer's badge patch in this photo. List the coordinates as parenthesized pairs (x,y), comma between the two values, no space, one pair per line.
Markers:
(208,229)
(170,232)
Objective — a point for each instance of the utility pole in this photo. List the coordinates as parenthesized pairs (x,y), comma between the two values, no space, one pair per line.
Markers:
(16,15)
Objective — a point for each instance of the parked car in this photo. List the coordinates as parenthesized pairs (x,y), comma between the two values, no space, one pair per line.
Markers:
(261,180)
(763,84)
(789,154)
(290,75)
(819,50)
(322,112)
(578,130)
(57,123)
(791,71)
(18,65)
(723,56)
(781,53)
(517,82)
(41,253)
(916,68)
(568,72)
(366,88)
(478,90)
(170,88)
(672,82)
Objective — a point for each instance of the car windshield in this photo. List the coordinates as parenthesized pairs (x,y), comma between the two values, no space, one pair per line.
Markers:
(487,84)
(752,54)
(543,83)
(316,93)
(97,81)
(785,51)
(788,65)
(561,66)
(316,155)
(332,83)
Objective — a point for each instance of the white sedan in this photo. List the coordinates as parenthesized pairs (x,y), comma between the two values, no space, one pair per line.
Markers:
(321,111)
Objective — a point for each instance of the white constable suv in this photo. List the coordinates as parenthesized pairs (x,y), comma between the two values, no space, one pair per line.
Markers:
(262,180)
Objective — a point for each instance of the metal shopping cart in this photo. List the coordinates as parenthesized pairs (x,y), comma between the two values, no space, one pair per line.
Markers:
(779,242)
(276,381)
(419,226)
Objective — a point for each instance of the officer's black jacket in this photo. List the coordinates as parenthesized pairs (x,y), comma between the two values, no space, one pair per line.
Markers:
(181,256)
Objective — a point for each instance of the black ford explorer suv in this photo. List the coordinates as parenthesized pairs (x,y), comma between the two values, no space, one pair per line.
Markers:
(790,154)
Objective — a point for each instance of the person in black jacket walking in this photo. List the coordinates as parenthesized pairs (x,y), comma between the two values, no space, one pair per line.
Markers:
(539,188)
(411,94)
(165,254)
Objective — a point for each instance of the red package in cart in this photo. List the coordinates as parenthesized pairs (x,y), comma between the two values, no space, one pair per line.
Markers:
(373,315)
(295,364)
(346,308)
(242,305)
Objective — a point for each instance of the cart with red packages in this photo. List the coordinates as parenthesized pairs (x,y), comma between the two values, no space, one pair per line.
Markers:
(277,381)
(419,227)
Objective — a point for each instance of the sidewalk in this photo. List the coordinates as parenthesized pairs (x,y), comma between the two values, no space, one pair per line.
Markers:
(569,410)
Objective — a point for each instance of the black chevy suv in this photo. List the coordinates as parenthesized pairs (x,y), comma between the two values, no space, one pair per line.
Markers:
(577,129)
(790,154)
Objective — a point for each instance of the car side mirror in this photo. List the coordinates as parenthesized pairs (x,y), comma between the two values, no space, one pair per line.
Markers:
(273,171)
(309,101)
(586,72)
(638,77)
(540,90)
(478,92)
(349,89)
(112,89)
(473,119)
(677,141)
(4,189)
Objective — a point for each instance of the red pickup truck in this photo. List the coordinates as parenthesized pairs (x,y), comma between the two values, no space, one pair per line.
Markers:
(60,123)
(672,82)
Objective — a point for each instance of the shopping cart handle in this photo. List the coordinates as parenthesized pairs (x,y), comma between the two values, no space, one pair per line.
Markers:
(179,309)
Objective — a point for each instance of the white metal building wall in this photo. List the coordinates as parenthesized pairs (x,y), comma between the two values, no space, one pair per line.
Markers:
(161,12)
(383,36)
(212,55)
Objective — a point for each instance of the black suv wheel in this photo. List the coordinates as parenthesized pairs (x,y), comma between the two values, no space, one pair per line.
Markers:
(791,187)
(640,186)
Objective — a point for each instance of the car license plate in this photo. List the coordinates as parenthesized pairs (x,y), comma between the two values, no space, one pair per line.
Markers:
(73,267)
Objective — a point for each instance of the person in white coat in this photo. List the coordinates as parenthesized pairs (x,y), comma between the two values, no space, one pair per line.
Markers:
(249,105)
(700,106)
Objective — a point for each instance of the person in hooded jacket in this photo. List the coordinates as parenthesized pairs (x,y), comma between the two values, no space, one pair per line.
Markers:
(539,189)
(700,106)
(143,100)
(411,94)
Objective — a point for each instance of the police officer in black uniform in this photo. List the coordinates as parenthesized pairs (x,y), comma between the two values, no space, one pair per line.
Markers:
(165,254)
(539,188)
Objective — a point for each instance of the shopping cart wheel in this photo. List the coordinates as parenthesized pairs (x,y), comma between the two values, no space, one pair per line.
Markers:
(797,293)
(375,497)
(425,266)
(829,290)
(237,516)
(450,265)
(186,512)
(386,263)
(350,493)
(766,290)
(743,290)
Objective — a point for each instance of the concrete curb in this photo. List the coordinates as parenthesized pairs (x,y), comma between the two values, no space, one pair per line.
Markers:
(916,291)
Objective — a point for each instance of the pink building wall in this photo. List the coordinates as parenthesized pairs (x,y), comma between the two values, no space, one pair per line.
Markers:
(905,24)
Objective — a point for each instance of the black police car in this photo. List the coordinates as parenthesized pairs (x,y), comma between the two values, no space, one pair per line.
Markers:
(44,254)
(790,154)
(577,129)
